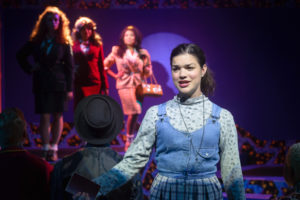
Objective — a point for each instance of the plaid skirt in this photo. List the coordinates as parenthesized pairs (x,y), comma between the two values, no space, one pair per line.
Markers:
(166,188)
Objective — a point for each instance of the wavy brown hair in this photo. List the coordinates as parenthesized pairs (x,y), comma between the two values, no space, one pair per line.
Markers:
(81,22)
(40,29)
(137,43)
(208,83)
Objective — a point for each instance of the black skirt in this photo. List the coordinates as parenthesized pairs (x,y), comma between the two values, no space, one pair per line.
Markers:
(50,102)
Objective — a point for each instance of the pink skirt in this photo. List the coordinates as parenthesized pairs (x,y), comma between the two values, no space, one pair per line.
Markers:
(129,102)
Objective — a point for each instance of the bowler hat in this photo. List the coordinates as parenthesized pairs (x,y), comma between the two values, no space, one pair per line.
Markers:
(98,119)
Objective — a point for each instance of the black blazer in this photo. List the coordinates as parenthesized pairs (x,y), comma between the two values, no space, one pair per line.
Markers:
(56,68)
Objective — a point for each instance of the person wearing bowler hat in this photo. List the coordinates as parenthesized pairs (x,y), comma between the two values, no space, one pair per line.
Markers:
(98,120)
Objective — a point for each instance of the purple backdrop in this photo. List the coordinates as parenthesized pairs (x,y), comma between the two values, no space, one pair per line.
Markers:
(253,53)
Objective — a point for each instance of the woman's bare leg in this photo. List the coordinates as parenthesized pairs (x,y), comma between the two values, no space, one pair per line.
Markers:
(45,129)
(130,128)
(57,128)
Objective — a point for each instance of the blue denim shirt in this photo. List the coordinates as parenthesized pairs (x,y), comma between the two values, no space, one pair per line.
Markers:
(184,155)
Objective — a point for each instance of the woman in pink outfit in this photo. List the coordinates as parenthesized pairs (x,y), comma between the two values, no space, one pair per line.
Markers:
(133,65)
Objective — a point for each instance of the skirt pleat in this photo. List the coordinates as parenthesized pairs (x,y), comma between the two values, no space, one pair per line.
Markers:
(167,188)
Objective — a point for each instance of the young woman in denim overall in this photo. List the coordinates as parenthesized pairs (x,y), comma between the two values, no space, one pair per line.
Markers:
(190,135)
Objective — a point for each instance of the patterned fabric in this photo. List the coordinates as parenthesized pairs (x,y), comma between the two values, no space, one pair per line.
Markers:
(165,188)
(138,153)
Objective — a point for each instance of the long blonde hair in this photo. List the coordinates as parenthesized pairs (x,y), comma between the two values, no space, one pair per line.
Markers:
(85,21)
(62,34)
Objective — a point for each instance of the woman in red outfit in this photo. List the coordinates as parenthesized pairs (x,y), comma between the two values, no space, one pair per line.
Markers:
(90,77)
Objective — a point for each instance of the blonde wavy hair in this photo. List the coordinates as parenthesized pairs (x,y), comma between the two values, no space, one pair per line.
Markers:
(40,29)
(82,22)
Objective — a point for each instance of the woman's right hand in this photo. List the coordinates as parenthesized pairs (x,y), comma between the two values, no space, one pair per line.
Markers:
(120,74)
(114,75)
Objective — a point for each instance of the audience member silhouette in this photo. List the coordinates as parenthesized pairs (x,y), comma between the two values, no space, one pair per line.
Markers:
(292,171)
(23,175)
(98,120)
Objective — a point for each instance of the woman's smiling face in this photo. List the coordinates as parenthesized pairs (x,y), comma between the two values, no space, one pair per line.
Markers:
(187,75)
(129,38)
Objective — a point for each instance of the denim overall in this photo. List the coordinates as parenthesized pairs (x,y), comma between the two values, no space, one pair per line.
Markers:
(179,155)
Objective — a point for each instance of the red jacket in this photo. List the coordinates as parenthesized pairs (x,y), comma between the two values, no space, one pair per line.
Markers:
(23,175)
(90,76)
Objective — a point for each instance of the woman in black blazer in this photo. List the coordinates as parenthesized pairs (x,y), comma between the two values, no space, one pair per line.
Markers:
(50,46)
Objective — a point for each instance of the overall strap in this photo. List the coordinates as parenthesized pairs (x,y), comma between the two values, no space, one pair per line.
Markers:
(161,110)
(216,110)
